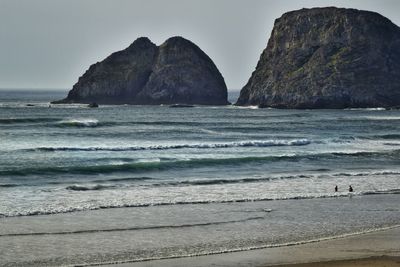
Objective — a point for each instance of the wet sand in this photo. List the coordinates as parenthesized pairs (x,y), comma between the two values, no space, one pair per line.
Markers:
(123,236)
(381,248)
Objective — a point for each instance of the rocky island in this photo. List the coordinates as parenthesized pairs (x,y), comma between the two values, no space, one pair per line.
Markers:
(176,72)
(328,58)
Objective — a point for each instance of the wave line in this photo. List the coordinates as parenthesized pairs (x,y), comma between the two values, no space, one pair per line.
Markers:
(132,228)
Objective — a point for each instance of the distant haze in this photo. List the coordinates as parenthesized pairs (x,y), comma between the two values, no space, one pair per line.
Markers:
(49,43)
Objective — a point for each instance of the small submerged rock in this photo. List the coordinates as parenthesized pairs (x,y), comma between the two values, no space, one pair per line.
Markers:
(181,106)
(93,105)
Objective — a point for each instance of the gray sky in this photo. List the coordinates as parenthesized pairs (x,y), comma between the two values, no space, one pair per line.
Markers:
(50,43)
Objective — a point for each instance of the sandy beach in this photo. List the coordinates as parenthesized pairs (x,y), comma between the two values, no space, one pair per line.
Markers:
(381,248)
(367,262)
(137,237)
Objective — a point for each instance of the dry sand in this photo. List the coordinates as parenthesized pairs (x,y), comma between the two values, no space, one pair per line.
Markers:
(383,261)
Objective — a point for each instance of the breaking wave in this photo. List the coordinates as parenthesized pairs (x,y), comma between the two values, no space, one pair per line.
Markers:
(379,173)
(196,202)
(266,143)
(182,164)
(135,166)
(78,123)
(87,188)
(77,187)
(226,181)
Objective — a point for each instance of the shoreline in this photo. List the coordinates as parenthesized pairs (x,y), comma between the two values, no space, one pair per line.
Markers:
(380,246)
(193,235)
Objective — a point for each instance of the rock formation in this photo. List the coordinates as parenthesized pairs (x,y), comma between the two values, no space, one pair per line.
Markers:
(328,58)
(145,74)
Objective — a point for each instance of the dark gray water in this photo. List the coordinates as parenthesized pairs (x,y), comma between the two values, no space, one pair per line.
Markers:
(71,159)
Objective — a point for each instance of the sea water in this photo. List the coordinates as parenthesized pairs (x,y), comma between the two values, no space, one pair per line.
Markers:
(126,183)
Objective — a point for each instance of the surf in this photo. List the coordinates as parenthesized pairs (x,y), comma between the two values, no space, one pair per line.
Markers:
(78,122)
(161,165)
(250,143)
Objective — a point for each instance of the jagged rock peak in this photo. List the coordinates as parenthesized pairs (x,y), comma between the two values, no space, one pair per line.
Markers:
(140,42)
(328,58)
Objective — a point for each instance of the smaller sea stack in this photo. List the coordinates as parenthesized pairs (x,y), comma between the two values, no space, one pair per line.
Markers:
(176,72)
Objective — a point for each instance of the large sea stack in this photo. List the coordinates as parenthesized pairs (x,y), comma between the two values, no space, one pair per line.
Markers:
(328,58)
(177,71)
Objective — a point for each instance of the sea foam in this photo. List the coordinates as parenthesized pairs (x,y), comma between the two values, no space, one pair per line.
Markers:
(255,143)
(79,122)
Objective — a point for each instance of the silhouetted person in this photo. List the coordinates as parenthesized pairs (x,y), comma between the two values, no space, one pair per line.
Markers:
(336,188)
(350,189)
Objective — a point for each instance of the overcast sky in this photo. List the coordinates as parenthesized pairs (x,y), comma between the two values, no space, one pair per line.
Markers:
(50,43)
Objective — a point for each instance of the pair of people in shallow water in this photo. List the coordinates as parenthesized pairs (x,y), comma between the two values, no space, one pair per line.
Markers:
(350,189)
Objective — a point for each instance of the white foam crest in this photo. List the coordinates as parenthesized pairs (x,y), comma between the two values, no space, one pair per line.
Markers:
(295,142)
(372,109)
(244,107)
(207,131)
(255,143)
(382,118)
(86,122)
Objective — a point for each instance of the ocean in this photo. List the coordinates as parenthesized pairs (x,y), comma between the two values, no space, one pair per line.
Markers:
(133,183)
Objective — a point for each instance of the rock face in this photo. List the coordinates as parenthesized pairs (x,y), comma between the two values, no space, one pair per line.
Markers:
(328,58)
(145,74)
